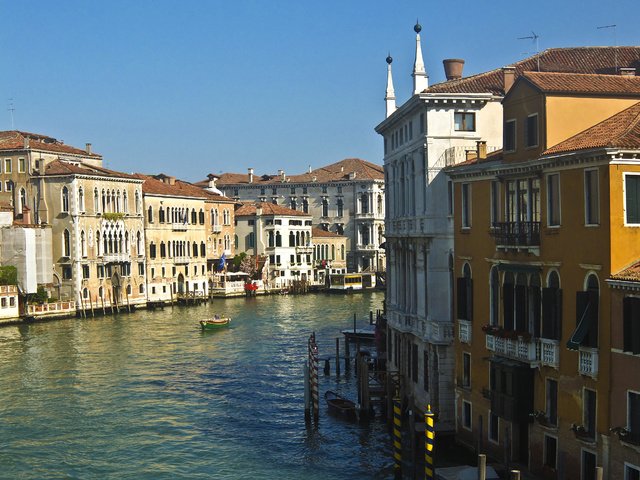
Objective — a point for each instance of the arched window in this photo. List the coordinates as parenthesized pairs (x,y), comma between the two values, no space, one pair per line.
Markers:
(364,203)
(163,250)
(227,242)
(203,249)
(380,204)
(278,239)
(364,235)
(83,243)
(340,206)
(194,249)
(103,197)
(227,217)
(96,201)
(587,315)
(65,199)
(341,252)
(305,205)
(98,244)
(333,252)
(201,217)
(194,217)
(325,207)
(161,216)
(23,199)
(118,202)
(292,239)
(293,204)
(138,203)
(129,289)
(216,217)
(66,243)
(85,293)
(271,239)
(141,288)
(125,202)
(150,214)
(235,241)
(139,244)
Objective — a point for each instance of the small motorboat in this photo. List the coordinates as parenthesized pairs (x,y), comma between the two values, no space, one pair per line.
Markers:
(340,405)
(215,323)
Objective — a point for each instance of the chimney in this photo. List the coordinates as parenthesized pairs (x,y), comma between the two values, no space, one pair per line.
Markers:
(282,175)
(453,68)
(25,142)
(481,150)
(309,168)
(88,148)
(212,180)
(352,176)
(26,215)
(259,210)
(508,77)
(250,171)
(627,71)
(172,180)
(470,155)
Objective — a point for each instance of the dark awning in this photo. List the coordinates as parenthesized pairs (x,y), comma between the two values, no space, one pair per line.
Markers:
(580,333)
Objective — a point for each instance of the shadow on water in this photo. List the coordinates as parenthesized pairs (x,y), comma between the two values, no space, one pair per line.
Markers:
(150,395)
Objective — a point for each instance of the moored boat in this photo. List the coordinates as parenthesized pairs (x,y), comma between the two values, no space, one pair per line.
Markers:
(340,405)
(214,323)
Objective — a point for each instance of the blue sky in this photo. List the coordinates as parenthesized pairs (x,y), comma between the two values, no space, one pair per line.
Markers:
(191,87)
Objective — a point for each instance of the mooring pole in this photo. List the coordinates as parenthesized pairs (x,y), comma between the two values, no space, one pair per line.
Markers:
(346,354)
(354,323)
(337,356)
(307,409)
(313,351)
(429,441)
(482,466)
(397,438)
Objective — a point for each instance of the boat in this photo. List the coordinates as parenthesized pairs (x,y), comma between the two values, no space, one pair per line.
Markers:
(340,405)
(214,323)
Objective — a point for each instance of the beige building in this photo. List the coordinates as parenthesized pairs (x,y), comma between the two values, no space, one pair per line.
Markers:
(188,230)
(329,254)
(98,234)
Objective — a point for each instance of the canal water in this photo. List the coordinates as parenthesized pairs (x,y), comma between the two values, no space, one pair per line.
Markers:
(149,395)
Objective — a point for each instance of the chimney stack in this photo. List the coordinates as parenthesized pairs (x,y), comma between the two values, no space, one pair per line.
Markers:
(26,215)
(282,175)
(250,170)
(453,68)
(88,148)
(481,150)
(627,71)
(26,142)
(508,77)
(212,180)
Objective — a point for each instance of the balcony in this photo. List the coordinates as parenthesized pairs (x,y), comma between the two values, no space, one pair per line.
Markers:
(516,234)
(518,349)
(216,228)
(588,362)
(304,249)
(367,248)
(549,352)
(464,331)
(181,260)
(437,332)
(179,227)
(365,215)
(116,257)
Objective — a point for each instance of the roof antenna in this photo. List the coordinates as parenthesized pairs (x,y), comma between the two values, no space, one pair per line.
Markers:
(615,41)
(535,38)
(11,109)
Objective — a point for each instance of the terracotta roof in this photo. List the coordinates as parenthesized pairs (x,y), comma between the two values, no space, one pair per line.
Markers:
(583,83)
(336,172)
(494,156)
(268,209)
(63,167)
(622,130)
(318,232)
(154,185)
(603,60)
(631,273)
(15,140)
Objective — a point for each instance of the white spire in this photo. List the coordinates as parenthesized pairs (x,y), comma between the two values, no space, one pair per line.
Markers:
(390,97)
(420,79)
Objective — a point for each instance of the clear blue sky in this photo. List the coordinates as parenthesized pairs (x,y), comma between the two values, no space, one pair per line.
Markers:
(192,87)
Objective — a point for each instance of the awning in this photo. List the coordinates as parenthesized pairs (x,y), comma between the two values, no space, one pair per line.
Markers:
(579,334)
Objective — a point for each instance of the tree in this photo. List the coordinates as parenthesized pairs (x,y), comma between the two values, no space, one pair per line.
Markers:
(8,275)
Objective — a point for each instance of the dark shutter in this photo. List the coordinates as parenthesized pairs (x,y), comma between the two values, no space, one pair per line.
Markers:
(631,325)
(507,302)
(592,335)
(470,299)
(548,312)
(633,198)
(558,316)
(462,298)
(521,308)
(534,295)
(582,321)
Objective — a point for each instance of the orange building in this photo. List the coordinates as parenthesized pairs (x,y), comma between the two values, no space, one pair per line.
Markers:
(539,228)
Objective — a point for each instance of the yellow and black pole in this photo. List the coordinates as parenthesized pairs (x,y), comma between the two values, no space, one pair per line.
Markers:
(429,440)
(397,438)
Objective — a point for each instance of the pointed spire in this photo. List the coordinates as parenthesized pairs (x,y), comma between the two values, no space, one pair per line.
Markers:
(420,78)
(390,97)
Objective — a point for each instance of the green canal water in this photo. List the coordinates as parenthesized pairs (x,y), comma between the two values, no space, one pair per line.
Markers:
(150,396)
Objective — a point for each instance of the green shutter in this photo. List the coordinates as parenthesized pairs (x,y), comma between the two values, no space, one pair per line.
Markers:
(633,198)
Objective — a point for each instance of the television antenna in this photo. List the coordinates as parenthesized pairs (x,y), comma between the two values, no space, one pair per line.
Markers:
(615,40)
(534,37)
(11,109)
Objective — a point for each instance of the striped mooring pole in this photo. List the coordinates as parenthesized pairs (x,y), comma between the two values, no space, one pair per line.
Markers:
(313,371)
(397,438)
(429,440)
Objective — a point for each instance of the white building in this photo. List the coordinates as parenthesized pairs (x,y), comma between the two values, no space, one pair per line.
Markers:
(431,130)
(282,234)
(346,198)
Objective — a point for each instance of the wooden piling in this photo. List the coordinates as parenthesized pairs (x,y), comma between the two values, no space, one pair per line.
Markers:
(128,304)
(104,312)
(397,438)
(91,305)
(337,357)
(327,366)
(346,355)
(307,406)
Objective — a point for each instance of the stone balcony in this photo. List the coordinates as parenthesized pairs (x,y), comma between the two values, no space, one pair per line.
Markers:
(116,257)
(438,332)
(549,352)
(216,228)
(588,362)
(179,227)
(464,331)
(518,349)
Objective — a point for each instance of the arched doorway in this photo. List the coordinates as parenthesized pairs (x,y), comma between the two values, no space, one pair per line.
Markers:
(180,284)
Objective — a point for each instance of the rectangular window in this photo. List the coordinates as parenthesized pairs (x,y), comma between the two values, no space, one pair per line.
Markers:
(553,200)
(633,416)
(140,268)
(8,186)
(466,205)
(631,472)
(466,415)
(67,273)
(588,465)
(464,122)
(531,131)
(85,271)
(591,197)
(7,165)
(631,325)
(466,369)
(495,202)
(589,412)
(22,165)
(632,199)
(550,451)
(510,136)
(494,427)
(551,408)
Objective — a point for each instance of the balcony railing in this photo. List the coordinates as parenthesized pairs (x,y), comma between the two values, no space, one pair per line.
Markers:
(368,247)
(216,228)
(180,260)
(519,349)
(116,257)
(304,249)
(179,227)
(437,332)
(516,234)
(588,362)
(549,352)
(464,331)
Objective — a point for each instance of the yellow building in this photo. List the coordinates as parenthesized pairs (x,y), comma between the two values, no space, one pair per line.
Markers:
(187,230)
(539,227)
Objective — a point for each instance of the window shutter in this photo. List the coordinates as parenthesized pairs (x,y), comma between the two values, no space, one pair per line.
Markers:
(534,295)
(548,312)
(627,322)
(462,298)
(521,308)
(592,335)
(632,198)
(558,316)
(470,299)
